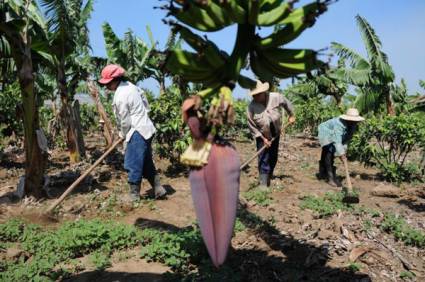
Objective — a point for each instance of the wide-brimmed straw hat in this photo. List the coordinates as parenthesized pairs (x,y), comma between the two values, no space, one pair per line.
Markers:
(259,88)
(352,114)
(110,72)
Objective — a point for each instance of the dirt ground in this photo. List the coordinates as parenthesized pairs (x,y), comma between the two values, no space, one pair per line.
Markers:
(287,244)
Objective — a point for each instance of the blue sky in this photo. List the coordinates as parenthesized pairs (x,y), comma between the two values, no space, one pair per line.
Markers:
(400,24)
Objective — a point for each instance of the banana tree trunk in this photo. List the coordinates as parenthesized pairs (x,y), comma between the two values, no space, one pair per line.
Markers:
(161,86)
(35,158)
(105,121)
(69,122)
(390,105)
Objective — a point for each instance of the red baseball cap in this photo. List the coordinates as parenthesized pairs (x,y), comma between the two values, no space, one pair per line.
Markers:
(110,72)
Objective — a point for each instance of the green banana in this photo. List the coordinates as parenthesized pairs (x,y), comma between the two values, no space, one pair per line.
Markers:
(284,69)
(260,69)
(205,93)
(315,8)
(236,12)
(274,16)
(196,17)
(217,13)
(268,5)
(289,55)
(208,48)
(285,35)
(190,66)
(246,82)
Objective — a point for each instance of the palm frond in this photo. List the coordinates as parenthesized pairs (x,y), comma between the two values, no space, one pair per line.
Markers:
(368,101)
(422,84)
(374,48)
(352,76)
(354,59)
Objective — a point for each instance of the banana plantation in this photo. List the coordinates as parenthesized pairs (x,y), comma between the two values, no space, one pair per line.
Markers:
(211,140)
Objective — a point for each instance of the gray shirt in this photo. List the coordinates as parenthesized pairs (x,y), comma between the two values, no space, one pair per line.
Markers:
(260,116)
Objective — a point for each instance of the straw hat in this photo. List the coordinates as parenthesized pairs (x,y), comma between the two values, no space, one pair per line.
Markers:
(259,88)
(352,115)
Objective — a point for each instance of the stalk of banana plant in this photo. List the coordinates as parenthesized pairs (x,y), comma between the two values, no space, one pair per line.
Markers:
(215,181)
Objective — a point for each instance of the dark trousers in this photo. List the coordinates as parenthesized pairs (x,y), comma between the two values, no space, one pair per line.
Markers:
(326,165)
(268,158)
(138,159)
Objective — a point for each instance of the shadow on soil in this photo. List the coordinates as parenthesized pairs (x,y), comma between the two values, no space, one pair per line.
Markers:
(298,261)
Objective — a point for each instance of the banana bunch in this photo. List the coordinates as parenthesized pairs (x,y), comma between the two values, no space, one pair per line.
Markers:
(283,63)
(206,66)
(293,25)
(203,15)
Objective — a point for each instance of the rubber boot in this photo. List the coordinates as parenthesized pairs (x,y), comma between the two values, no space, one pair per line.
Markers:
(331,176)
(264,181)
(322,171)
(159,190)
(135,192)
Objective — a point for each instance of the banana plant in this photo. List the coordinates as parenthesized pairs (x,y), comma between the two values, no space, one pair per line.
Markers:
(68,60)
(214,68)
(215,186)
(373,76)
(23,27)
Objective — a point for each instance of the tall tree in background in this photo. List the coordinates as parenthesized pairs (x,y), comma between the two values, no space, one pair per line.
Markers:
(372,75)
(23,27)
(68,60)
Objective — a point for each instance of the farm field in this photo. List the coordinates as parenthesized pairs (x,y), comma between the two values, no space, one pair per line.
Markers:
(300,231)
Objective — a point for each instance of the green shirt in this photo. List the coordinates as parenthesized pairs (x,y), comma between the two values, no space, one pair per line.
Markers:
(334,131)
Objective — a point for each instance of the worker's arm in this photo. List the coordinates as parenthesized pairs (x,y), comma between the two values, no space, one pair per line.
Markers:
(254,129)
(289,108)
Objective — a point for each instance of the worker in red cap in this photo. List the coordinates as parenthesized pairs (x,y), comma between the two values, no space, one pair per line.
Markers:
(131,110)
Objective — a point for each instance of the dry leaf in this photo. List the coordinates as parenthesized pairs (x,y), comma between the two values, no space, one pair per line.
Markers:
(358,252)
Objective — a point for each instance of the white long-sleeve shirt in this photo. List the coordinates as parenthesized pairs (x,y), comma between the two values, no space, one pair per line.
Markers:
(131,110)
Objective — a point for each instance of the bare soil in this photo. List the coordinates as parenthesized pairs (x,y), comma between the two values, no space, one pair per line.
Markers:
(286,244)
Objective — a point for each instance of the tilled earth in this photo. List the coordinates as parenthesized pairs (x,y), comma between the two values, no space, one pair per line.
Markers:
(280,241)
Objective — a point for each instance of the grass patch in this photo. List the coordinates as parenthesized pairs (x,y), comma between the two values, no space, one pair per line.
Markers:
(407,275)
(327,205)
(53,253)
(239,226)
(260,197)
(402,231)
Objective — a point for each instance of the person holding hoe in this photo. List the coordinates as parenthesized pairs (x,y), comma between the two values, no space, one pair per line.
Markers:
(131,110)
(264,120)
(334,136)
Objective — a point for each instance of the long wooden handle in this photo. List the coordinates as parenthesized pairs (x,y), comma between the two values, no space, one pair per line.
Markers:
(263,148)
(255,155)
(347,174)
(84,175)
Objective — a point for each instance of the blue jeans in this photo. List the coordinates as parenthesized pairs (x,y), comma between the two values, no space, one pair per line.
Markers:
(138,159)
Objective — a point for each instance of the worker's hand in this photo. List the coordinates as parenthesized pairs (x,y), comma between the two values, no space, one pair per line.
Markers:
(291,120)
(267,142)
(343,157)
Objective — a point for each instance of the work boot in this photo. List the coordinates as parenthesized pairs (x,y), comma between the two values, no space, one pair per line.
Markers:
(322,171)
(159,190)
(264,181)
(135,192)
(331,177)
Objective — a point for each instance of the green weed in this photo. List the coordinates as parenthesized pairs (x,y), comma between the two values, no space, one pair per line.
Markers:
(353,267)
(407,275)
(327,205)
(401,230)
(260,197)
